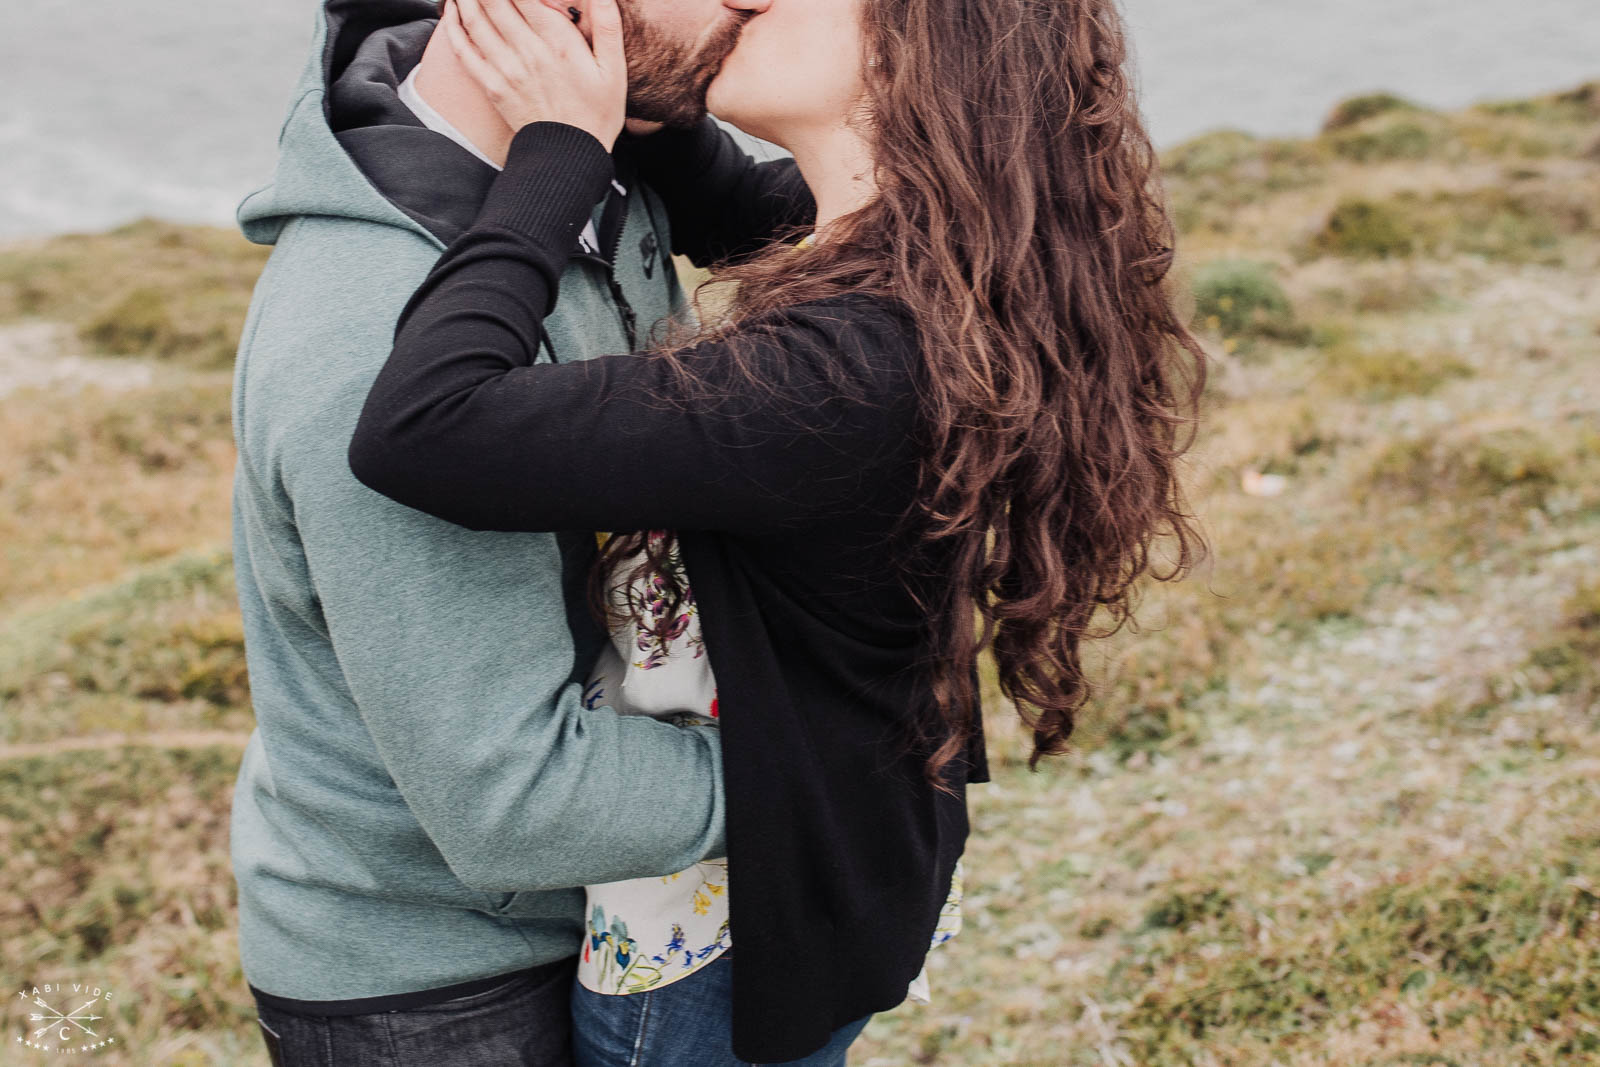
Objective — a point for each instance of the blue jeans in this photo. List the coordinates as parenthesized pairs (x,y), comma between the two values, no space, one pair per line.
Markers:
(686,1024)
(525,1021)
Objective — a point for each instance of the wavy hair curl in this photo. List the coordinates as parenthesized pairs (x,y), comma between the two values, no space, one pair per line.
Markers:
(1021,220)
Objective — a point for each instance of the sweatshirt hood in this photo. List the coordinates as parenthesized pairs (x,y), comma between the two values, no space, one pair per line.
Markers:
(350,149)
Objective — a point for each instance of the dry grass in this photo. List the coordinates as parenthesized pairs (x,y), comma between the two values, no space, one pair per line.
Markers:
(94,482)
(1335,803)
(146,289)
(117,871)
(162,650)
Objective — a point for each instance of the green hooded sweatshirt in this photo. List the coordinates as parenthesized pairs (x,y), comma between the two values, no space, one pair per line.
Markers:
(425,787)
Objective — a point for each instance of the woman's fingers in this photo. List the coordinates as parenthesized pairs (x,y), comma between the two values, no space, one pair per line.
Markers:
(482,26)
(605,23)
(483,72)
(526,25)
(534,64)
(574,11)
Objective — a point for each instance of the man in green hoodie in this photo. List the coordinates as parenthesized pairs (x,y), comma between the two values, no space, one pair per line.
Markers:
(425,793)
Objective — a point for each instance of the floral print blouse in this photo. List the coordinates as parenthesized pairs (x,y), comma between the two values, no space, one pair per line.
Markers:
(645,933)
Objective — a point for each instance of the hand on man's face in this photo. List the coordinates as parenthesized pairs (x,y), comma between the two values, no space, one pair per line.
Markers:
(574,10)
(673,53)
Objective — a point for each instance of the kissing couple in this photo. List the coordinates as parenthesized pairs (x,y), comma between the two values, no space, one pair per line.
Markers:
(615,656)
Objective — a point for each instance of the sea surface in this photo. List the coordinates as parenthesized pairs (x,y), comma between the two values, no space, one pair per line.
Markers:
(111,110)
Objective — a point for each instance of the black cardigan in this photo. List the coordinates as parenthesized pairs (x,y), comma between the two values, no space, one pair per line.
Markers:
(785,501)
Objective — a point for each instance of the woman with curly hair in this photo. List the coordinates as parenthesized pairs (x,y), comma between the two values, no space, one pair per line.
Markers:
(942,416)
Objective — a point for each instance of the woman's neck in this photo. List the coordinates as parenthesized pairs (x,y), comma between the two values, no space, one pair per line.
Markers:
(837,165)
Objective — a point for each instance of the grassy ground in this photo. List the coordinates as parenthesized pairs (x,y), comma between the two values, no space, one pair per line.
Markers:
(1337,801)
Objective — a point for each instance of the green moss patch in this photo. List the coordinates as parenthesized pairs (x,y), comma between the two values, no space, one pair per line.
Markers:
(1358,109)
(1526,225)
(1241,300)
(150,288)
(162,650)
(1515,945)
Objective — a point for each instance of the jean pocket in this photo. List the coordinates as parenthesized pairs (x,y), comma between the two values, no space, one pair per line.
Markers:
(274,1043)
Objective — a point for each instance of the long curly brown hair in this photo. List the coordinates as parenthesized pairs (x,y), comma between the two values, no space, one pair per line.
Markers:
(1020,218)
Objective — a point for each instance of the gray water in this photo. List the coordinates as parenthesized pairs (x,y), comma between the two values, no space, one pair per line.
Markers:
(110,110)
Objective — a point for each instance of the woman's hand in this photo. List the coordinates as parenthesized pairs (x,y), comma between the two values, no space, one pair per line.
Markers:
(535,65)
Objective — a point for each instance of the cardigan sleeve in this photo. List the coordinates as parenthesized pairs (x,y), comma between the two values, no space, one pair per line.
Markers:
(723,205)
(802,416)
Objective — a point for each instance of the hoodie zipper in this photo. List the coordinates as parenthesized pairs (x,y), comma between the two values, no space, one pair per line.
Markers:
(613,221)
(630,320)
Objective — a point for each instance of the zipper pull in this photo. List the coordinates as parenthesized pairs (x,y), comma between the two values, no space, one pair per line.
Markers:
(630,322)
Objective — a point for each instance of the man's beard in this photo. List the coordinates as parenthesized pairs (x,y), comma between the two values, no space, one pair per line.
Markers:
(667,81)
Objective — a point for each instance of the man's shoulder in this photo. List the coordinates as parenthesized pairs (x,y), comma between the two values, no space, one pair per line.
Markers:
(336,277)
(321,325)
(325,308)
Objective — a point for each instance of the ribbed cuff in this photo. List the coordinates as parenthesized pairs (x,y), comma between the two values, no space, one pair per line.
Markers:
(554,176)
